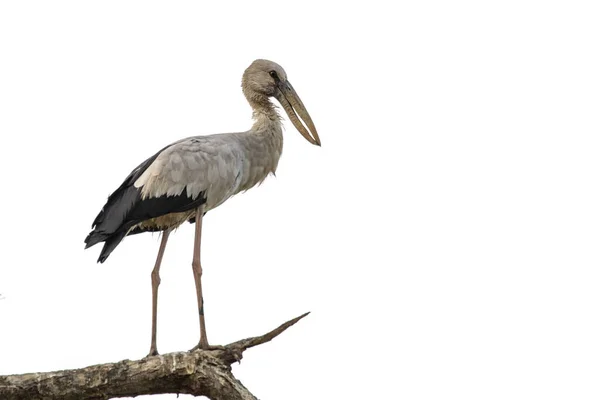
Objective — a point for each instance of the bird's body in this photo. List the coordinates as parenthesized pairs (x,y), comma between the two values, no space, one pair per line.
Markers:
(165,190)
(192,176)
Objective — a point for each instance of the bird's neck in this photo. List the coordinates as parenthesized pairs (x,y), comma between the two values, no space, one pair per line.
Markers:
(264,114)
(267,121)
(267,126)
(263,143)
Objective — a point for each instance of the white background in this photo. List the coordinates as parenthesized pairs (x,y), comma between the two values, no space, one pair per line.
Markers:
(445,237)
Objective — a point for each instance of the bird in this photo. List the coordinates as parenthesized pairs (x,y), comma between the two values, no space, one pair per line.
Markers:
(186,179)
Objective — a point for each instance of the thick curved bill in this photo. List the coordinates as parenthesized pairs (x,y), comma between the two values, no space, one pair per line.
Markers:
(291,103)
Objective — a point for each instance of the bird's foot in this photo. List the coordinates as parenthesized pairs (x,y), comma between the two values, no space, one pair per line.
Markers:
(153,352)
(206,346)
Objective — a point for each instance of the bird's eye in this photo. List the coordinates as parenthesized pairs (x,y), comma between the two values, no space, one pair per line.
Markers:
(273,75)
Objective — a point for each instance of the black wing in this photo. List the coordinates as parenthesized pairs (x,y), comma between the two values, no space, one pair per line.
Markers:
(125,208)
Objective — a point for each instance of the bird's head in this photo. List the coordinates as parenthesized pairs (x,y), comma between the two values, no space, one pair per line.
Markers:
(264,79)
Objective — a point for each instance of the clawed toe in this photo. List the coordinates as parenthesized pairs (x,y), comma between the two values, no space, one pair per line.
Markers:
(153,352)
(207,347)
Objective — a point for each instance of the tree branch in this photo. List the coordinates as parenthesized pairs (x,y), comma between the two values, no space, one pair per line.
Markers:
(199,373)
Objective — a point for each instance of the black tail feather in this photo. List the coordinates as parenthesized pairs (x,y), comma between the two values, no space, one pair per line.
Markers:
(94,238)
(110,244)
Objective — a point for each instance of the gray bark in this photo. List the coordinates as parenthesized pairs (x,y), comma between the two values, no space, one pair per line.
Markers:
(200,373)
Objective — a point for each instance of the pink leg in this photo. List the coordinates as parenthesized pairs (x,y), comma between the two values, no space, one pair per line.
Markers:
(155,282)
(197,269)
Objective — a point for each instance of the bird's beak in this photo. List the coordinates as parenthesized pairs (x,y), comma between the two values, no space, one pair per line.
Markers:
(291,103)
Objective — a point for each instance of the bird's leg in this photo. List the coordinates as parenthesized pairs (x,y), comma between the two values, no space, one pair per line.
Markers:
(155,282)
(197,269)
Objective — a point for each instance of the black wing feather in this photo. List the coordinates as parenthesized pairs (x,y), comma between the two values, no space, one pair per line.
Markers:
(125,209)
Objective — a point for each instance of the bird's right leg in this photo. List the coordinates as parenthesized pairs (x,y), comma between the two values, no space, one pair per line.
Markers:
(155,282)
(197,269)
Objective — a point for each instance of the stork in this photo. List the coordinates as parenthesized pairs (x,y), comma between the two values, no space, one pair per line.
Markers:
(192,176)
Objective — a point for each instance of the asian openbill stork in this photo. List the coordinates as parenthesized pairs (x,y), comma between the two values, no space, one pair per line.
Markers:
(186,179)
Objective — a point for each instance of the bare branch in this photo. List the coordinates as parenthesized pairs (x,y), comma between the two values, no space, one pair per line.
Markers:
(199,373)
(233,351)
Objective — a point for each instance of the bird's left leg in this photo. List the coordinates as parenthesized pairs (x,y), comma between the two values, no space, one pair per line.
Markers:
(197,269)
(155,282)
